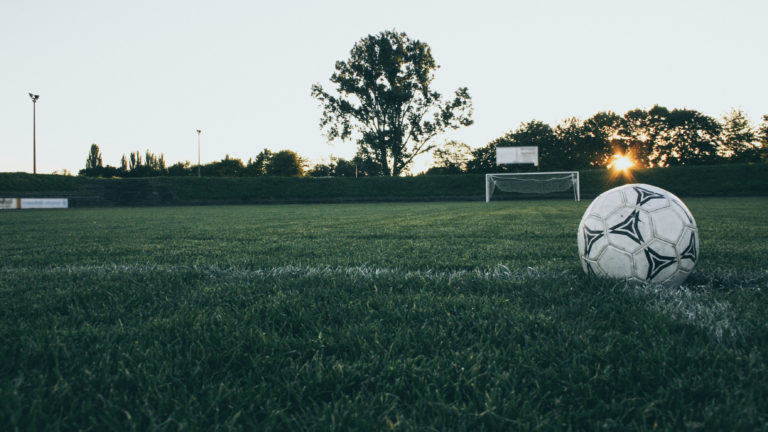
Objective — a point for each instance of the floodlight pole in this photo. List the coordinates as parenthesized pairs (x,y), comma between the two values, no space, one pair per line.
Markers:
(198,152)
(34,131)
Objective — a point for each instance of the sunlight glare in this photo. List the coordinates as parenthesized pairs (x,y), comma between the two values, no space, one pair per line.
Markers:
(621,162)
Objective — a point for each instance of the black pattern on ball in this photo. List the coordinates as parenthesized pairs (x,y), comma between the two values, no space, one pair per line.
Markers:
(645,195)
(590,237)
(690,251)
(629,227)
(656,262)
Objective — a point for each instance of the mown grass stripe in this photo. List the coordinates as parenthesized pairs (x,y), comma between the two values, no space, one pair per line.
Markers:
(692,304)
(370,272)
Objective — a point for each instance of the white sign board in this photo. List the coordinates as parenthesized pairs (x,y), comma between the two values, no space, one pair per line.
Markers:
(44,203)
(517,155)
(8,203)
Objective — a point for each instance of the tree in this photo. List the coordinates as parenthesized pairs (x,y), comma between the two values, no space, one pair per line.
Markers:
(762,136)
(227,167)
(739,139)
(602,139)
(690,138)
(634,130)
(384,101)
(258,167)
(451,158)
(337,167)
(94,158)
(483,160)
(285,163)
(93,163)
(180,169)
(762,131)
(135,160)
(344,168)
(321,170)
(571,149)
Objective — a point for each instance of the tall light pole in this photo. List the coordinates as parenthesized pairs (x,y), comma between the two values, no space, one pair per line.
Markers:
(34,131)
(198,152)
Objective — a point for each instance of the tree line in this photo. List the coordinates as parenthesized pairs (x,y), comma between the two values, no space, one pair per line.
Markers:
(281,163)
(657,137)
(286,163)
(382,99)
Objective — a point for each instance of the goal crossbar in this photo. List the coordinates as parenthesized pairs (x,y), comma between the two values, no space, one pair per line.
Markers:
(536,183)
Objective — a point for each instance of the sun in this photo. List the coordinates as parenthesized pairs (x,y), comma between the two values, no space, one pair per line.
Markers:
(621,162)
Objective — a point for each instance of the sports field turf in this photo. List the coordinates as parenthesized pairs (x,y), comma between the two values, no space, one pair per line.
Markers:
(436,316)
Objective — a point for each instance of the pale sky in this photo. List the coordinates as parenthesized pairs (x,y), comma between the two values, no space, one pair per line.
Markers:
(138,75)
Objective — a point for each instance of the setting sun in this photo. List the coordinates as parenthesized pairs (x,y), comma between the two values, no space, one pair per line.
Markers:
(621,162)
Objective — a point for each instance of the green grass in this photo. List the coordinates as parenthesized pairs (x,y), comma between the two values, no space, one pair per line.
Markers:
(436,316)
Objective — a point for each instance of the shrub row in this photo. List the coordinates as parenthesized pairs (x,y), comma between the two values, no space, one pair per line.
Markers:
(720,180)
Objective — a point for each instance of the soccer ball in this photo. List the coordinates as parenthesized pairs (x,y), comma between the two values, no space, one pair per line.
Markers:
(641,233)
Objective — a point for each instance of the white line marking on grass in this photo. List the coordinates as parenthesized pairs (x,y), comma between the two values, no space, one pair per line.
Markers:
(698,309)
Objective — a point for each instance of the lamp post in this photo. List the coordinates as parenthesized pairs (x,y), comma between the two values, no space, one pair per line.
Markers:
(34,131)
(198,152)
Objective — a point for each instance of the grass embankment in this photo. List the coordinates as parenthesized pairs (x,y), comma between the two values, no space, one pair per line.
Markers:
(722,180)
(425,316)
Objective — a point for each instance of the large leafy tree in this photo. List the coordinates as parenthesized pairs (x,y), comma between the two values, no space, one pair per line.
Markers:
(690,138)
(580,145)
(451,158)
(285,163)
(383,99)
(677,137)
(740,140)
(637,142)
(602,138)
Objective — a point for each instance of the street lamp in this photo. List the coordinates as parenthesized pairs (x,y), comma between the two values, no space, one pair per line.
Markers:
(34,132)
(198,152)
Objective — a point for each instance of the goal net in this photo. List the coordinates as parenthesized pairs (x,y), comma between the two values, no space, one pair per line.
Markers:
(533,183)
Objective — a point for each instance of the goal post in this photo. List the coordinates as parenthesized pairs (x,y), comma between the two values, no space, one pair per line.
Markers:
(533,183)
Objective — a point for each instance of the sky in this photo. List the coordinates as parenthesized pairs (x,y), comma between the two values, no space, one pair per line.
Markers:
(145,75)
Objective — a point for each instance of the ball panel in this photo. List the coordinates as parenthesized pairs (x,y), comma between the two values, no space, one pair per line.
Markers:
(676,279)
(682,210)
(616,263)
(641,264)
(667,224)
(606,203)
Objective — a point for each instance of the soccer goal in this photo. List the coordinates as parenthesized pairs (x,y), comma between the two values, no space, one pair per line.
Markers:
(533,183)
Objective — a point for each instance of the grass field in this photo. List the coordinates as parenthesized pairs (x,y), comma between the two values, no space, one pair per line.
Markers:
(429,316)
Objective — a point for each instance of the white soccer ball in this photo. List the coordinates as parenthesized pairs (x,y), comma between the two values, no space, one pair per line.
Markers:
(641,233)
